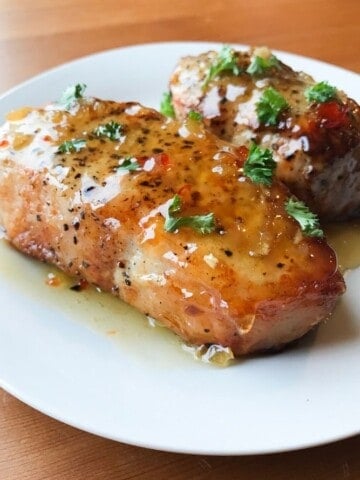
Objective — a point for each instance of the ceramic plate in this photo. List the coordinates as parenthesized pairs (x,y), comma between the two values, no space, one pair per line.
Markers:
(92,362)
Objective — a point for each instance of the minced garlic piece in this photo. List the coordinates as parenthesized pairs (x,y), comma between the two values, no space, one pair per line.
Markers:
(211,260)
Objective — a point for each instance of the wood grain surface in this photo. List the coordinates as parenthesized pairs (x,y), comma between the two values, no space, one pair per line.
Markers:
(39,34)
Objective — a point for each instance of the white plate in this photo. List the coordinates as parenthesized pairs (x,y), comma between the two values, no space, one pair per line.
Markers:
(95,364)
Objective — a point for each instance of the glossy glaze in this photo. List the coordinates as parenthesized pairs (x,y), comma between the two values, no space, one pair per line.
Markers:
(316,146)
(253,283)
(345,240)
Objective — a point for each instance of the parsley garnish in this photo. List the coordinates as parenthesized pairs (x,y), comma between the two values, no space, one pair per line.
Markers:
(192,115)
(72,94)
(111,130)
(260,165)
(320,92)
(260,65)
(129,164)
(201,223)
(269,106)
(166,106)
(308,221)
(71,146)
(226,61)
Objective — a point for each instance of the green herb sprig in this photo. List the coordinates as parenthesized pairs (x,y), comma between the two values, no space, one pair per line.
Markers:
(308,221)
(112,130)
(71,146)
(196,116)
(269,106)
(201,223)
(259,165)
(320,92)
(71,95)
(129,164)
(226,61)
(259,65)
(166,106)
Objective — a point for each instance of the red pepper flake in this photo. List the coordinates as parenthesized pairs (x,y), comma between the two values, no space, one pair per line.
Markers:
(160,159)
(333,114)
(163,159)
(242,153)
(47,138)
(185,192)
(4,143)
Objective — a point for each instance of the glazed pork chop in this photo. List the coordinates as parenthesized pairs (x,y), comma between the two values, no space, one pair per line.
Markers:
(313,129)
(161,214)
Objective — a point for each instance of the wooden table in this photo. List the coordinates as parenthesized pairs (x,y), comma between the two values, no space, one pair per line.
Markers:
(38,34)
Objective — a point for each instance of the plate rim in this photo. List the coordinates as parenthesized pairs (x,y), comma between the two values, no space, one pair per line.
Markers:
(99,53)
(13,391)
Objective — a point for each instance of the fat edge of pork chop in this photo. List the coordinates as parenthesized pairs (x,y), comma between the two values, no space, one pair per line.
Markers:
(96,207)
(316,143)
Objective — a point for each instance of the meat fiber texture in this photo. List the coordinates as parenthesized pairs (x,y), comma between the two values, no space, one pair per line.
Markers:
(253,283)
(316,145)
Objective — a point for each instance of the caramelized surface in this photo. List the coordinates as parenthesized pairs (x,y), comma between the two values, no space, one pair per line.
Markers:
(253,283)
(316,146)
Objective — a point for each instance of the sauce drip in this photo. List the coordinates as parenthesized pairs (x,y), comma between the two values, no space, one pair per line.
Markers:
(97,311)
(344,238)
(119,322)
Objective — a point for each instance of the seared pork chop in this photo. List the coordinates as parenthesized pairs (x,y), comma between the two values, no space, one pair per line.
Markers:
(161,214)
(313,129)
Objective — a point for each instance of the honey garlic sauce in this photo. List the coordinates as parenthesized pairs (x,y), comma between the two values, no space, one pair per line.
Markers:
(344,238)
(95,219)
(316,145)
(99,312)
(173,159)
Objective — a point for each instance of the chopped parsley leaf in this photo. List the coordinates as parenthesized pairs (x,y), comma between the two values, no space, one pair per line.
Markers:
(71,146)
(260,165)
(226,61)
(260,65)
(175,205)
(166,106)
(193,115)
(112,130)
(129,164)
(269,106)
(72,94)
(308,221)
(320,92)
(201,223)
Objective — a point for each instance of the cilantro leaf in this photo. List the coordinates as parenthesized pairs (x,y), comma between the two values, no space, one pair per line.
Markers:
(166,106)
(193,115)
(175,205)
(269,106)
(129,164)
(260,65)
(226,61)
(71,146)
(112,130)
(320,92)
(308,221)
(260,165)
(201,223)
(72,94)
